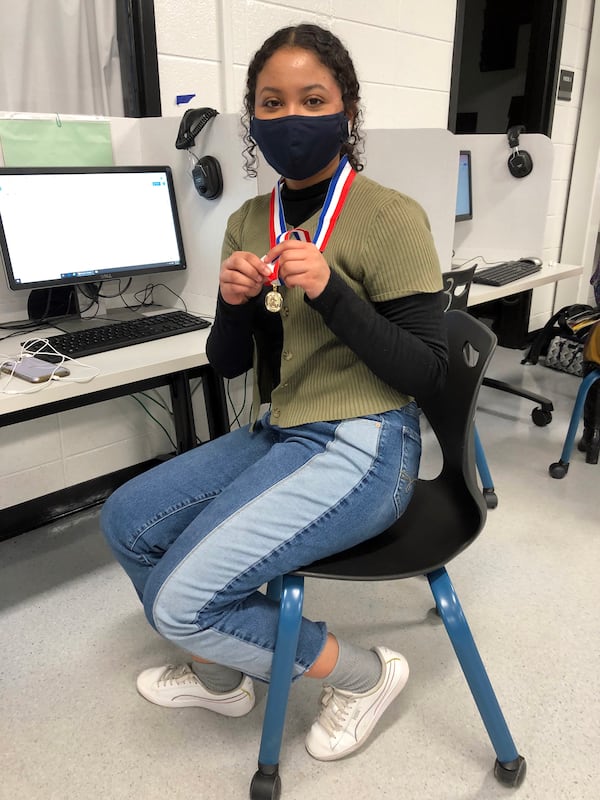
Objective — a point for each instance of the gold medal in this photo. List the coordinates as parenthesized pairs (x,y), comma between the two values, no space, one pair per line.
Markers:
(273,300)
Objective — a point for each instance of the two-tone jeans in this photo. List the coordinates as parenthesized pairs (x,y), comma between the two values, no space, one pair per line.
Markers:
(199,535)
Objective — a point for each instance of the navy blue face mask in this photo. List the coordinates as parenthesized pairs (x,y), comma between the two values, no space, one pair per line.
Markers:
(299,146)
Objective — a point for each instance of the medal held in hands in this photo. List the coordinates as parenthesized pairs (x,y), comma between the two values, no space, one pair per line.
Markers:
(336,196)
(273,299)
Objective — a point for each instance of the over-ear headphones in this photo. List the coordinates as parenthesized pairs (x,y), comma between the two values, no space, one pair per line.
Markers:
(208,178)
(207,175)
(520,163)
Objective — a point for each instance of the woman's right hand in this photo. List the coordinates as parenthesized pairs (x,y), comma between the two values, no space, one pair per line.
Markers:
(242,277)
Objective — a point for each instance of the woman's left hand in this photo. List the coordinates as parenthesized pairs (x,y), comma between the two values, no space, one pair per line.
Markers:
(301,264)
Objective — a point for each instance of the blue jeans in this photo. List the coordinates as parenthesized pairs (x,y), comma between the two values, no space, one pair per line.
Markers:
(200,534)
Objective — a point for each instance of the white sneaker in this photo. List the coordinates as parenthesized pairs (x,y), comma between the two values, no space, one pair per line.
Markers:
(180,687)
(347,718)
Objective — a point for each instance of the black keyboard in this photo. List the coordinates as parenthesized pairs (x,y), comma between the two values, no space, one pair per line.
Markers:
(504,273)
(118,334)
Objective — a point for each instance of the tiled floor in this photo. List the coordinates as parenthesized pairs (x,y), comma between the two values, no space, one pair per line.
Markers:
(73,638)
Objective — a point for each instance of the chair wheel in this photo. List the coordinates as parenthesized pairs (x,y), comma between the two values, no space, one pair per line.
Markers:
(511,774)
(491,498)
(558,469)
(541,417)
(265,787)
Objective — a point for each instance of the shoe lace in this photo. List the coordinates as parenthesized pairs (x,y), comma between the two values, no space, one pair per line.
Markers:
(178,674)
(335,709)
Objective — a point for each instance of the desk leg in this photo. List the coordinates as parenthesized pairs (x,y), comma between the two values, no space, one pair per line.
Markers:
(183,413)
(215,403)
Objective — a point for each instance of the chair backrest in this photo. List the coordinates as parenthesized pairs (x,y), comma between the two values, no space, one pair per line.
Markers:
(451,412)
(457,285)
(451,506)
(448,511)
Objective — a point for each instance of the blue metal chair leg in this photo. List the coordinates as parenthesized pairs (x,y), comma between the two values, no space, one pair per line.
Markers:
(559,468)
(510,766)
(266,781)
(484,473)
(584,388)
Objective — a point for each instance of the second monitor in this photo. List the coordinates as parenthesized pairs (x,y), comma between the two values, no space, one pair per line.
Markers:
(464,192)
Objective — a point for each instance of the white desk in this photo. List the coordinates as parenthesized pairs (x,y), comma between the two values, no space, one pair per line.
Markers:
(168,362)
(548,274)
(165,362)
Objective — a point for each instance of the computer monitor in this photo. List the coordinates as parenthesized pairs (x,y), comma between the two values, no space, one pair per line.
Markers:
(464,195)
(62,226)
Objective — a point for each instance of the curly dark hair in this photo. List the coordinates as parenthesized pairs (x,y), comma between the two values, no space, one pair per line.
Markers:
(332,54)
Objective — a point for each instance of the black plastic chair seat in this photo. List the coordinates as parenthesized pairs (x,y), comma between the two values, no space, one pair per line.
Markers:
(416,543)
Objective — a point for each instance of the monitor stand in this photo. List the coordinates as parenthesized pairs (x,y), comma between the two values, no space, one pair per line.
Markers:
(59,307)
(56,302)
(76,324)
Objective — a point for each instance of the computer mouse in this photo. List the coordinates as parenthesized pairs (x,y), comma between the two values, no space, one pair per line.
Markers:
(532,260)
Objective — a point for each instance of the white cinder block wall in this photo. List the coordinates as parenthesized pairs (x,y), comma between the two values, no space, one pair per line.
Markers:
(402,50)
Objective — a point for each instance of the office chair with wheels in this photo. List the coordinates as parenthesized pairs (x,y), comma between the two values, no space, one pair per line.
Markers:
(444,516)
(456,287)
(541,415)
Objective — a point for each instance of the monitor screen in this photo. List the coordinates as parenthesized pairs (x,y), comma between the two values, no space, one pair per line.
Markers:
(464,196)
(61,226)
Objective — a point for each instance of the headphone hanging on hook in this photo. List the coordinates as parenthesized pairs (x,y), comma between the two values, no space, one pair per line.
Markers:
(206,174)
(207,177)
(520,163)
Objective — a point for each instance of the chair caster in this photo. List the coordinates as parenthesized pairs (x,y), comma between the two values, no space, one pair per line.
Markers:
(558,469)
(541,417)
(511,773)
(265,786)
(491,498)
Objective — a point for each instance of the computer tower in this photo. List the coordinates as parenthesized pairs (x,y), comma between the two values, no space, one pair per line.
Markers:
(508,317)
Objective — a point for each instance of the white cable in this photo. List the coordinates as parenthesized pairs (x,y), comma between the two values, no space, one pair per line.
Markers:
(50,349)
(44,346)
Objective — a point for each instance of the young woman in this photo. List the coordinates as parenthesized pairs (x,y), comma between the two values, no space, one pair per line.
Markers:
(342,324)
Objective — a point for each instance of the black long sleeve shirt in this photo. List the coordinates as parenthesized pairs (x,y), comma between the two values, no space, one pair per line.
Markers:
(402,341)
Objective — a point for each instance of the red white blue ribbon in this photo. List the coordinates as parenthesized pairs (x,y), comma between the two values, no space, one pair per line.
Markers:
(332,207)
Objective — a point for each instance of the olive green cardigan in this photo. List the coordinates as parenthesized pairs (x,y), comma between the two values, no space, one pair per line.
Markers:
(383,248)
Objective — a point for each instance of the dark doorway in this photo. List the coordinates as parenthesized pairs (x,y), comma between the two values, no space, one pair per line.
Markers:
(505,67)
(136,33)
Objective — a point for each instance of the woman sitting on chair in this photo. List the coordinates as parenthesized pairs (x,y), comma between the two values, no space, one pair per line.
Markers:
(342,322)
